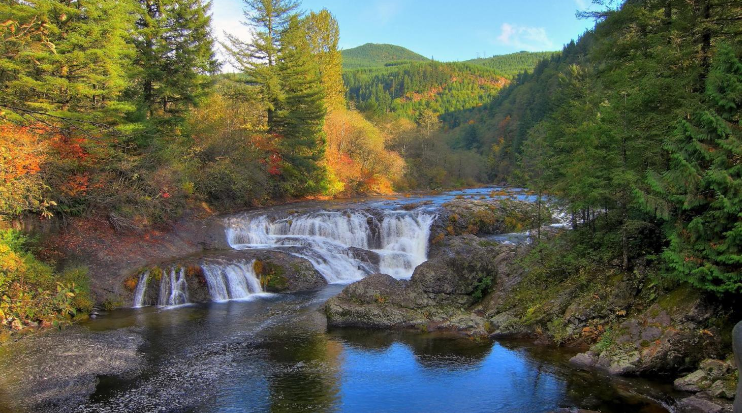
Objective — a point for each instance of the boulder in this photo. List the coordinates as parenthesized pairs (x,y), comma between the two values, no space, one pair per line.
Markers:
(670,336)
(696,404)
(438,296)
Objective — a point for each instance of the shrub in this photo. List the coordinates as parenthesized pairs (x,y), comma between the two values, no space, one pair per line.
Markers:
(30,291)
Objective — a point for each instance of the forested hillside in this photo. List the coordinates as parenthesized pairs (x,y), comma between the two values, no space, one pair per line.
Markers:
(636,127)
(371,55)
(510,65)
(406,90)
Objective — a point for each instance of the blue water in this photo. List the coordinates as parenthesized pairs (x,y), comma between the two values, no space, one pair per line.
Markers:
(275,354)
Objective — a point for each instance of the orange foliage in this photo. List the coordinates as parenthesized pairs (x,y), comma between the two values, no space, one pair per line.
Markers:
(77,184)
(21,151)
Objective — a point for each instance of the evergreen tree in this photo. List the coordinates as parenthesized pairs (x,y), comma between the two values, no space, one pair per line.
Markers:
(174,55)
(259,58)
(703,185)
(299,120)
(70,66)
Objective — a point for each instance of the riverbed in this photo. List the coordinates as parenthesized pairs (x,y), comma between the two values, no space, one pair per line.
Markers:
(268,352)
(274,354)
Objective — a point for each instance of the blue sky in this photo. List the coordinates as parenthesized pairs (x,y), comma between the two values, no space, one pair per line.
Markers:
(447,30)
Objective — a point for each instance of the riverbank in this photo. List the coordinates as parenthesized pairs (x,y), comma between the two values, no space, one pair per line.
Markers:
(277,354)
(470,283)
(623,323)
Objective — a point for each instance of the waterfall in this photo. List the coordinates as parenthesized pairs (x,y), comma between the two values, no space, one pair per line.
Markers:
(141,289)
(230,281)
(173,288)
(224,280)
(325,239)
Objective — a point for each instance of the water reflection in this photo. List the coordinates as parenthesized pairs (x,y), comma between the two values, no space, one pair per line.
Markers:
(275,355)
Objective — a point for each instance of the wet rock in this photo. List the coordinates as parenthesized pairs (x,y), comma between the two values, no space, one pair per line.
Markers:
(715,369)
(666,338)
(57,371)
(507,324)
(695,404)
(363,255)
(587,359)
(724,389)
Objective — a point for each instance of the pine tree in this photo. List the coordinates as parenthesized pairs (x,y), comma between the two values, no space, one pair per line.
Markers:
(70,67)
(174,55)
(299,120)
(259,58)
(703,185)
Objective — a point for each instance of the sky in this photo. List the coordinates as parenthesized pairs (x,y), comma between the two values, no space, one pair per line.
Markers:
(446,30)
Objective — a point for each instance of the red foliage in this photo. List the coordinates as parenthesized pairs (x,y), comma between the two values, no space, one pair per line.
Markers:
(21,150)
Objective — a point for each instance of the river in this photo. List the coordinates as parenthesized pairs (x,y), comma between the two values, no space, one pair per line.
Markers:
(273,352)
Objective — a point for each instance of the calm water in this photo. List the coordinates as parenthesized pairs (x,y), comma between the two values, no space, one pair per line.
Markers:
(273,354)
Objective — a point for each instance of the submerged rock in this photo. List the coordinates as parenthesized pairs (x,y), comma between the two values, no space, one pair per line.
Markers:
(696,404)
(49,371)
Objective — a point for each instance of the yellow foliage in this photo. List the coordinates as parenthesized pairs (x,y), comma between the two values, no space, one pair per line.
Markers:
(356,157)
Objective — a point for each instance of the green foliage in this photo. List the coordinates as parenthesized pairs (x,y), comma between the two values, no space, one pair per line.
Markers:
(301,114)
(323,33)
(482,287)
(512,64)
(71,63)
(30,292)
(703,185)
(174,56)
(408,89)
(635,128)
(372,55)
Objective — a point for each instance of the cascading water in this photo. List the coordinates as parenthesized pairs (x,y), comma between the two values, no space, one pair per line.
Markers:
(327,239)
(231,280)
(141,289)
(225,280)
(173,288)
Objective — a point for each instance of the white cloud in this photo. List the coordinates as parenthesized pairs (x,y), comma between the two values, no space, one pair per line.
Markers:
(524,37)
(582,4)
(227,16)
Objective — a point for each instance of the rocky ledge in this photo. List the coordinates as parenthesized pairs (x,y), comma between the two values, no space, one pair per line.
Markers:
(277,271)
(627,324)
(438,295)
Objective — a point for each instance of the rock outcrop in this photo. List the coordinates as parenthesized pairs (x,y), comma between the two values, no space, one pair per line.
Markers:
(438,296)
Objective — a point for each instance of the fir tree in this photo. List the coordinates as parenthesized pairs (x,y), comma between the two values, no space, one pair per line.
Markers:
(174,55)
(259,58)
(703,185)
(299,120)
(70,67)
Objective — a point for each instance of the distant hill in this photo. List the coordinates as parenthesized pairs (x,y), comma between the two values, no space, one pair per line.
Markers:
(383,78)
(373,55)
(510,65)
(407,89)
